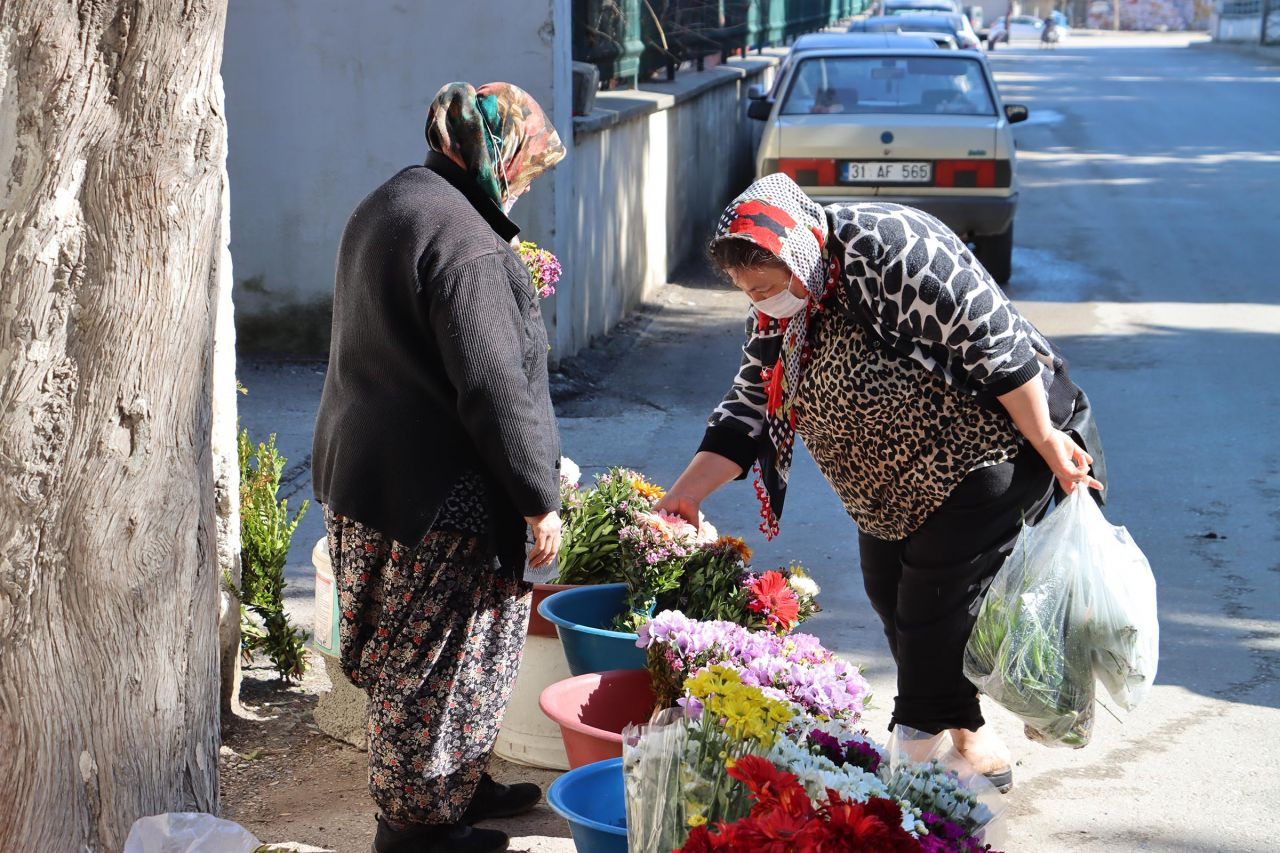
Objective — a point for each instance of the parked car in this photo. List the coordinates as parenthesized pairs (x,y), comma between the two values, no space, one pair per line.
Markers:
(916,7)
(899,122)
(761,101)
(1023,28)
(956,27)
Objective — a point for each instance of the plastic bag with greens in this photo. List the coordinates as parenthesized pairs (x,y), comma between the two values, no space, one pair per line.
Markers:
(1074,603)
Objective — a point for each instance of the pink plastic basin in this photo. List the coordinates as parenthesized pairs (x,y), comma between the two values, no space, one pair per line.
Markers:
(593,709)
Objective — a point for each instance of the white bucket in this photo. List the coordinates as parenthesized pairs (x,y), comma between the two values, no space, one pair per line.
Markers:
(324,634)
(527,735)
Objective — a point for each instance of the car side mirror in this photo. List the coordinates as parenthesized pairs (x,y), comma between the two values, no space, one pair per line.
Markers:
(1016,113)
(759,109)
(755,92)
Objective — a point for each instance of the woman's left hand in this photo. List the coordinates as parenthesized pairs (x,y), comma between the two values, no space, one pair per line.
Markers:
(1068,461)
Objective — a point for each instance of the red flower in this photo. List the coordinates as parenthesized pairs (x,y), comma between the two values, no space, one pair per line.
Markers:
(771,788)
(874,826)
(702,841)
(771,596)
(778,832)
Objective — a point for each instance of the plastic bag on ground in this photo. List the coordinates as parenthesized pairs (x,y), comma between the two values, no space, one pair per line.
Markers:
(188,832)
(1075,602)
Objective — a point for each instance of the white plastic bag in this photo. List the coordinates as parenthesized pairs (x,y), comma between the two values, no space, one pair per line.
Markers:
(188,832)
(653,755)
(1075,602)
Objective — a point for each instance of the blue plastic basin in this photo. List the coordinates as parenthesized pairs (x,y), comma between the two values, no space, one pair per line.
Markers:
(580,616)
(593,800)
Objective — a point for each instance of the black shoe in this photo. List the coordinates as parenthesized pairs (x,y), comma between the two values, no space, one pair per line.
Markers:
(434,838)
(494,800)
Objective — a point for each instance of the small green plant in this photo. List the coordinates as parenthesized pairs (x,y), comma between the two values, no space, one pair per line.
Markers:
(265,533)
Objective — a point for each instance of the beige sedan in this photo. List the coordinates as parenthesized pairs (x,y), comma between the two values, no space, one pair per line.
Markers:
(909,125)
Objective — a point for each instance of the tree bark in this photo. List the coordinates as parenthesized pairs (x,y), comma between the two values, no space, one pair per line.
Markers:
(112,170)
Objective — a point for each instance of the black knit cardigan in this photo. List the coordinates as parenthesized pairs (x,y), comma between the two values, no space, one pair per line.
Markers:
(437,365)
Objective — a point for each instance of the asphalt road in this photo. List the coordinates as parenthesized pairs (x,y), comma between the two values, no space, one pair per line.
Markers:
(1148,247)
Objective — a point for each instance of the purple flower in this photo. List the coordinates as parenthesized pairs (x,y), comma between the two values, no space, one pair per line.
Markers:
(796,668)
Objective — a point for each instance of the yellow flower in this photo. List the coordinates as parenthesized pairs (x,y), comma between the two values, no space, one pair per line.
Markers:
(779,713)
(647,490)
(714,680)
(697,820)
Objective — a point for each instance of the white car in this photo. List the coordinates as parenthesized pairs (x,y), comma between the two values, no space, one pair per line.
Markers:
(957,29)
(1022,28)
(908,124)
(917,7)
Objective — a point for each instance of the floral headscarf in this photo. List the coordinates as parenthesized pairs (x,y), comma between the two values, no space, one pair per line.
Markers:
(497,133)
(776,215)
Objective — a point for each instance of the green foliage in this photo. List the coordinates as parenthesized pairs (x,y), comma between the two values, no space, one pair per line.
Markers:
(1033,664)
(712,587)
(265,533)
(589,547)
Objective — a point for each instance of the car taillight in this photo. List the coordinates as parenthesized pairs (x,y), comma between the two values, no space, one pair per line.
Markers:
(809,173)
(972,173)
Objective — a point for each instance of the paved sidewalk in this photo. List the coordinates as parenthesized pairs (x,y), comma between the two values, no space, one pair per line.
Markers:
(1268,52)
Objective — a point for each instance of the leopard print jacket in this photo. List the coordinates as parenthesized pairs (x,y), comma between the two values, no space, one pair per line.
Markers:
(915,340)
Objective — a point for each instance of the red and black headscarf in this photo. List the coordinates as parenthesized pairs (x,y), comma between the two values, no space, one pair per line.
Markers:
(776,215)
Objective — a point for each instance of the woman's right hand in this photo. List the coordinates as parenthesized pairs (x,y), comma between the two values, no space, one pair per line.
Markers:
(546,539)
(706,473)
(682,505)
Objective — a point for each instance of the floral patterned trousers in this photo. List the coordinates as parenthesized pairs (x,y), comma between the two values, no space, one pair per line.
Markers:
(434,634)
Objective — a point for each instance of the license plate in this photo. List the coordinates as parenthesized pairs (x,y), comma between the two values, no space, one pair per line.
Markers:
(882,172)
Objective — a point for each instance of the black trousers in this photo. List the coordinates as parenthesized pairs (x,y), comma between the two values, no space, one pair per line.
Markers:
(928,587)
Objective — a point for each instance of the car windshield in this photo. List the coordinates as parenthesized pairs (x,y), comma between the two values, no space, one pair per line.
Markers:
(915,85)
(920,10)
(935,24)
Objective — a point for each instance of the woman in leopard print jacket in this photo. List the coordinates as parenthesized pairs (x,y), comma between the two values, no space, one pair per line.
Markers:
(932,407)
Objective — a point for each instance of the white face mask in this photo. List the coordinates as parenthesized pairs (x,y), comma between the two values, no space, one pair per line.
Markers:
(508,204)
(782,304)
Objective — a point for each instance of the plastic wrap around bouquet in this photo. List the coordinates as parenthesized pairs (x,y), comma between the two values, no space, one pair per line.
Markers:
(747,768)
(1075,602)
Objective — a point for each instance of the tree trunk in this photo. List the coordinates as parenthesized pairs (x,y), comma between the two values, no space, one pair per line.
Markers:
(112,166)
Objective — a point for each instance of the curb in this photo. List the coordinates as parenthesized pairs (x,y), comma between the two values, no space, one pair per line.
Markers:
(1270,53)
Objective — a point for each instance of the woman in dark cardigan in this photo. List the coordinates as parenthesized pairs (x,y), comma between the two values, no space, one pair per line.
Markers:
(435,452)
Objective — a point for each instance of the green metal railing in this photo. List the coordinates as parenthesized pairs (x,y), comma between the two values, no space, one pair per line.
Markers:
(632,40)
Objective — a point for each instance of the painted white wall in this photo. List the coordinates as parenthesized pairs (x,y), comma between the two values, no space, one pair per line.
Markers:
(649,189)
(1239,29)
(326,99)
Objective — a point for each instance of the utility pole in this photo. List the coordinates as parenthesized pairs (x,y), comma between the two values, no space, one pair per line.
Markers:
(1115,18)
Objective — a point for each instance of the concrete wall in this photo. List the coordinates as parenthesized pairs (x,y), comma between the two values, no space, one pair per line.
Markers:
(652,171)
(326,99)
(1241,29)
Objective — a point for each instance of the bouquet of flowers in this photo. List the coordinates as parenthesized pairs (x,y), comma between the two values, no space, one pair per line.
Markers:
(590,547)
(655,550)
(544,268)
(817,784)
(674,770)
(717,584)
(794,668)
(785,817)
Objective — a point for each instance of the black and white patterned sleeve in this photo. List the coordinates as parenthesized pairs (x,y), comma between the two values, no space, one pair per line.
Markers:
(932,290)
(735,427)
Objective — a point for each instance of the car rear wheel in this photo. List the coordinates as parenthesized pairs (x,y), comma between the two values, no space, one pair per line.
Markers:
(995,253)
